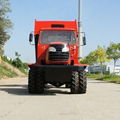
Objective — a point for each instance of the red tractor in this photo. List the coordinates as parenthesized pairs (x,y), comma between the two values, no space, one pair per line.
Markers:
(56,48)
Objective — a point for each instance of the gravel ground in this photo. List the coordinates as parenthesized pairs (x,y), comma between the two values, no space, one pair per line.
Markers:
(101,102)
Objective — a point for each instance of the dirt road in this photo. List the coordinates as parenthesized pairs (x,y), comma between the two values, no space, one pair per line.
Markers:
(102,102)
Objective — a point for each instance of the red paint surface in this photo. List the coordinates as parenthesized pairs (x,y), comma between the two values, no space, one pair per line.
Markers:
(42,48)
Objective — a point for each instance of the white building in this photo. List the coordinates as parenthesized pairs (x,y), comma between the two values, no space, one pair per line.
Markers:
(110,68)
(117,70)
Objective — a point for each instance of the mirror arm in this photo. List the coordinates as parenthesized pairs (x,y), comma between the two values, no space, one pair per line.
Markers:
(31,43)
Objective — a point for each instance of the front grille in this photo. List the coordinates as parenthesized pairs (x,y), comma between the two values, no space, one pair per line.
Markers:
(58,56)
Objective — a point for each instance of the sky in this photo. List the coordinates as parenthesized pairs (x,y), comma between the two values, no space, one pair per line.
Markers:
(100,19)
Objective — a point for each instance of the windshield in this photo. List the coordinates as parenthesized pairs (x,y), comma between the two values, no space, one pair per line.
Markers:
(57,36)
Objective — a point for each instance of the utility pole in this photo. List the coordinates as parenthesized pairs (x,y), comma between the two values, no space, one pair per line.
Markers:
(79,28)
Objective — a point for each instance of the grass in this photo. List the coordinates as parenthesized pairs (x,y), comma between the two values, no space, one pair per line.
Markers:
(6,72)
(108,78)
(23,71)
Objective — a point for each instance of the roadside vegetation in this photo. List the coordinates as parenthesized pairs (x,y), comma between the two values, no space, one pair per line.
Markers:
(5,72)
(5,24)
(10,68)
(6,65)
(17,62)
(102,56)
(105,77)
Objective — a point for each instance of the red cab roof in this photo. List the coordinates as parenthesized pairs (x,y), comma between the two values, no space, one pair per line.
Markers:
(54,25)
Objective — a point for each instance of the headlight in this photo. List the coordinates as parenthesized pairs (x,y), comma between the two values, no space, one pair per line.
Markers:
(65,49)
(52,49)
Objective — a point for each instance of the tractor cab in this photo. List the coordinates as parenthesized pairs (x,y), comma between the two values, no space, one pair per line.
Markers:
(56,42)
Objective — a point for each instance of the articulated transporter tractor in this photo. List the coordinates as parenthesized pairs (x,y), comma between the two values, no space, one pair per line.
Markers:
(56,49)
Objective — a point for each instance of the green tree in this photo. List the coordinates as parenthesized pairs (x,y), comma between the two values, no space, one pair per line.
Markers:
(113,52)
(98,56)
(101,56)
(90,59)
(5,23)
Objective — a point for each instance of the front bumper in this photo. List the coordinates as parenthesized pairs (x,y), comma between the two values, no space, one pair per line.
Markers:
(57,73)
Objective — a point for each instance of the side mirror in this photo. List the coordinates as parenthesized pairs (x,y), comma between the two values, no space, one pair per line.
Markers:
(84,39)
(31,37)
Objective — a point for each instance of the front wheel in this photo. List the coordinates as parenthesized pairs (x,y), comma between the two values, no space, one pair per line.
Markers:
(75,82)
(32,81)
(40,82)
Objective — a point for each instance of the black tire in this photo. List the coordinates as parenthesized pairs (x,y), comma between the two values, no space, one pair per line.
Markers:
(32,81)
(40,82)
(75,82)
(82,82)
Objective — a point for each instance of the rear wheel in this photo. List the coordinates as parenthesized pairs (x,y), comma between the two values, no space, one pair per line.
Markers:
(78,82)
(32,81)
(82,82)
